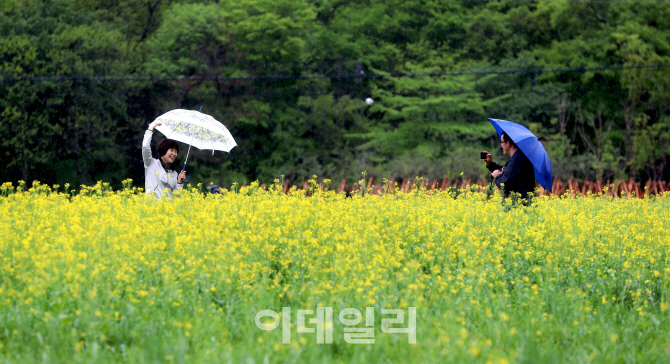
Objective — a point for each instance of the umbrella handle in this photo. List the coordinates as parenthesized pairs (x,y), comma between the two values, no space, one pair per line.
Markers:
(188,178)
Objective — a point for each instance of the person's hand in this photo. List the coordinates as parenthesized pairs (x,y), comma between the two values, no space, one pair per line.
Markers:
(488,158)
(154,124)
(181,176)
(496,173)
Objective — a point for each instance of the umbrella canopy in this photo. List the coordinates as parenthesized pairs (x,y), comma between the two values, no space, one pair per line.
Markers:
(197,129)
(530,146)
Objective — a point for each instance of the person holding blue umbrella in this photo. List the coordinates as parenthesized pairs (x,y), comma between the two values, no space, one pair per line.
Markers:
(529,160)
(517,174)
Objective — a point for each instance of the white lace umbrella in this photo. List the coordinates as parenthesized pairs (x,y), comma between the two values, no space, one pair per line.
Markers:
(195,129)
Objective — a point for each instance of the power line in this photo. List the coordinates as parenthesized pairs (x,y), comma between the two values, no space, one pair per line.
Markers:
(326,76)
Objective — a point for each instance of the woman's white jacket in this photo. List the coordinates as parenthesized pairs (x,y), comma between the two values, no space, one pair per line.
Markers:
(156,178)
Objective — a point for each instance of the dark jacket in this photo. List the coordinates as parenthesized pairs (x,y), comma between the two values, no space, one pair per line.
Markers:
(518,175)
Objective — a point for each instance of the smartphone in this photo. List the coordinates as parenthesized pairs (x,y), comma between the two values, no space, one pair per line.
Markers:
(482,155)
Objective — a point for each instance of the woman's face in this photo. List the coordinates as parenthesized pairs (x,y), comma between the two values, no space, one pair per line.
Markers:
(170,156)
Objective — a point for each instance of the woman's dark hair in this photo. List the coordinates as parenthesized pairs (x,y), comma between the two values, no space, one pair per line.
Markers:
(165,145)
(506,138)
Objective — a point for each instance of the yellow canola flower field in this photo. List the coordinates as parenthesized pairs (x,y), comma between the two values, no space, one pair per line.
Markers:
(102,276)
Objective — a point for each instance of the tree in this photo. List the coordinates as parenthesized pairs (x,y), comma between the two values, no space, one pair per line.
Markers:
(24,131)
(75,119)
(258,66)
(595,132)
(234,40)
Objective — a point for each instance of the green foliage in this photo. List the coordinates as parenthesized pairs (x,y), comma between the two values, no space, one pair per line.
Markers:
(45,124)
(76,129)
(24,133)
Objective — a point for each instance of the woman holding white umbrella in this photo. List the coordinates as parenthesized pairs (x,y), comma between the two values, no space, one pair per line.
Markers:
(160,174)
(187,126)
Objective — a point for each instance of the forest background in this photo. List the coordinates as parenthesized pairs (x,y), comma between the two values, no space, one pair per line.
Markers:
(80,80)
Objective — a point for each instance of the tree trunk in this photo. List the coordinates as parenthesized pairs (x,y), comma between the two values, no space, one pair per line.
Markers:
(24,152)
(563,116)
(599,130)
(629,118)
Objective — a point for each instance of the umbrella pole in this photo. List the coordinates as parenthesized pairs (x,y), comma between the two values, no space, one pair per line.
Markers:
(187,153)
(186,160)
(189,148)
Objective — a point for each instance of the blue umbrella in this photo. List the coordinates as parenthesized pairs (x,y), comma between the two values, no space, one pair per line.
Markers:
(530,146)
